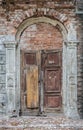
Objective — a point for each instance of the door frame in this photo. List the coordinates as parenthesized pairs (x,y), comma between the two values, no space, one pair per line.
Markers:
(69,73)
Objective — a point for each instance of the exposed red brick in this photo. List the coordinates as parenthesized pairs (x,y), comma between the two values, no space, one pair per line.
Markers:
(41,36)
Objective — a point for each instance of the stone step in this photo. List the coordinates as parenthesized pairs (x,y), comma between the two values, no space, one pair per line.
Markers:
(41,123)
(29,128)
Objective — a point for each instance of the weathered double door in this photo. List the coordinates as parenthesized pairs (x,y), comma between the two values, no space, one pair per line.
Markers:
(41,81)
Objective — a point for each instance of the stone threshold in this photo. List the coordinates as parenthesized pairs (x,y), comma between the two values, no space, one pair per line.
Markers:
(40,123)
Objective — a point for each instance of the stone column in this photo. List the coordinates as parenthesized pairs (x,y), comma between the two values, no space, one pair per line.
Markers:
(72,111)
(10,76)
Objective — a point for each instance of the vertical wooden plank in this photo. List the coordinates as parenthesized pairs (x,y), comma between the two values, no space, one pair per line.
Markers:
(32,87)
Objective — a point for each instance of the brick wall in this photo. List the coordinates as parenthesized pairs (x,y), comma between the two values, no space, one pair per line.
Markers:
(41,36)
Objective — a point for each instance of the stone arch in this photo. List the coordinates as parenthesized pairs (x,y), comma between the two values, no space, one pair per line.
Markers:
(35,20)
(43,19)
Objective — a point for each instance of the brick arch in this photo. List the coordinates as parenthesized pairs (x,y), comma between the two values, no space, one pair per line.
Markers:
(41,19)
(20,16)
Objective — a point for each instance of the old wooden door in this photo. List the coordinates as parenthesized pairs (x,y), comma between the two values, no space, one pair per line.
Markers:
(51,66)
(29,83)
(41,81)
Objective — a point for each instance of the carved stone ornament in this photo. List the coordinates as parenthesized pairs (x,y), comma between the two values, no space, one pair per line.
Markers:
(2,98)
(72,80)
(2,69)
(71,43)
(10,44)
(2,59)
(2,88)
(10,81)
(2,78)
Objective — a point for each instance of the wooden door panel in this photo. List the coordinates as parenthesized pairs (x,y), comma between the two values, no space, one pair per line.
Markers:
(52,80)
(53,58)
(30,58)
(52,101)
(51,65)
(32,87)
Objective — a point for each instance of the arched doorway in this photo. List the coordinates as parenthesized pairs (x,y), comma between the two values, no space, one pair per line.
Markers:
(68,47)
(69,66)
(44,57)
(41,68)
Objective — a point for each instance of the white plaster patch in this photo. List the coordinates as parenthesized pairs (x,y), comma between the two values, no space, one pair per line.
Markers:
(10,38)
(72,35)
(2,39)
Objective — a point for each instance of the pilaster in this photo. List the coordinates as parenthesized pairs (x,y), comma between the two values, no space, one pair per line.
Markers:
(72,80)
(10,76)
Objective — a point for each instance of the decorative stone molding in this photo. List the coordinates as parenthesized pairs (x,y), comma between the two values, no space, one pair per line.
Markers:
(2,78)
(10,44)
(2,88)
(10,81)
(2,69)
(72,79)
(71,43)
(10,75)
(2,59)
(3,101)
(72,33)
(3,98)
(43,19)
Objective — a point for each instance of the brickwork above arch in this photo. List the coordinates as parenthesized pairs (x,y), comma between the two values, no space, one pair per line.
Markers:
(15,18)
(32,21)
(20,15)
(41,36)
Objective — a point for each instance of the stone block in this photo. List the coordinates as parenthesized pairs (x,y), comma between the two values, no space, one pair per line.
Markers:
(2,59)
(2,69)
(2,78)
(2,88)
(2,52)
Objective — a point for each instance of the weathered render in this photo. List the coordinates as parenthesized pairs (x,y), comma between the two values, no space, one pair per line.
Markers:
(38,26)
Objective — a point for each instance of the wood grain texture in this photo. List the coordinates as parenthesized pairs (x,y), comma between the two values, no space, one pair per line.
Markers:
(32,87)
